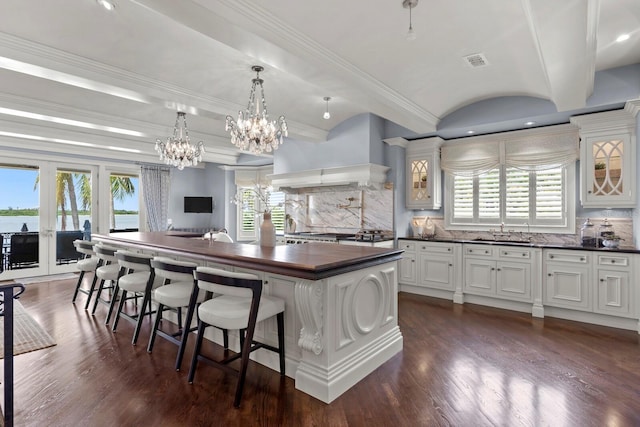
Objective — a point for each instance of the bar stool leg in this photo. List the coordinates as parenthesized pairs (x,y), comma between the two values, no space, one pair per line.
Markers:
(91,289)
(280,320)
(123,298)
(196,352)
(156,325)
(112,304)
(75,293)
(146,300)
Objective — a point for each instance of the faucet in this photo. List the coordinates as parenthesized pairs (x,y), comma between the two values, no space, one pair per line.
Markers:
(502,227)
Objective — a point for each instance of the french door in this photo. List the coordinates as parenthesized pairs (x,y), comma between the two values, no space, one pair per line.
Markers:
(44,206)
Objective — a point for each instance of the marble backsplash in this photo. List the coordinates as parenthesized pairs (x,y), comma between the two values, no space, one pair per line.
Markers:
(623,227)
(341,210)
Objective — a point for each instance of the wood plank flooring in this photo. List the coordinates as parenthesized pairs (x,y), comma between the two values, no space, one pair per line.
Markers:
(462,365)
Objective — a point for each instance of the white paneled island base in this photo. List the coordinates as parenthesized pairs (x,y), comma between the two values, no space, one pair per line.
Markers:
(341,307)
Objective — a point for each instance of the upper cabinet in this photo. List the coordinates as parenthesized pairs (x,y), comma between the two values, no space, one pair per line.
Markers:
(607,159)
(423,174)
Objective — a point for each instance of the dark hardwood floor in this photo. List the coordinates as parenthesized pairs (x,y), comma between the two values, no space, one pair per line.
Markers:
(461,366)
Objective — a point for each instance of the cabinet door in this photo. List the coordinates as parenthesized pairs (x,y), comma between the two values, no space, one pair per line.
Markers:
(567,286)
(423,174)
(513,280)
(613,293)
(436,271)
(479,276)
(407,270)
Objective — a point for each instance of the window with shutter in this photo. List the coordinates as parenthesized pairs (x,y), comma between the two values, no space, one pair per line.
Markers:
(537,200)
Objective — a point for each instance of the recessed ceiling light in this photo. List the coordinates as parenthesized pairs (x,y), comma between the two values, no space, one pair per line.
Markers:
(529,123)
(469,132)
(109,5)
(623,37)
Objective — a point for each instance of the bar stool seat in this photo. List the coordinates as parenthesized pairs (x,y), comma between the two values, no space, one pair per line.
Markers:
(87,264)
(179,291)
(240,305)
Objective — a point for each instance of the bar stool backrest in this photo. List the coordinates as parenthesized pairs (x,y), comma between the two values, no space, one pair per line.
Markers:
(173,270)
(133,260)
(105,253)
(85,247)
(228,282)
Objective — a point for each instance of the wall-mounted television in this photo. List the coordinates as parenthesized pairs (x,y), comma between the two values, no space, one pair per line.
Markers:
(198,204)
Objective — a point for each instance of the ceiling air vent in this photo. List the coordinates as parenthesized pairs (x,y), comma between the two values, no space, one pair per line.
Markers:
(476,60)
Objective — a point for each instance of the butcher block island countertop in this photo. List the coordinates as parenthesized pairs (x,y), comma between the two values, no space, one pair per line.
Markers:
(341,304)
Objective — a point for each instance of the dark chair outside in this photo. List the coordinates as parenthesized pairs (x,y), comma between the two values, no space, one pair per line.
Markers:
(24,249)
(65,249)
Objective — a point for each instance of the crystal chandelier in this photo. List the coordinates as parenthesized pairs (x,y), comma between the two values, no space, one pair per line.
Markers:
(253,131)
(177,150)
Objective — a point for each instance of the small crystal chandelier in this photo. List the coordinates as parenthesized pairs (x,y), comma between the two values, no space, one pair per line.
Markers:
(177,150)
(253,131)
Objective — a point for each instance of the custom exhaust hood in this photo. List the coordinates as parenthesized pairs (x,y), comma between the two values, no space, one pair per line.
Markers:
(367,175)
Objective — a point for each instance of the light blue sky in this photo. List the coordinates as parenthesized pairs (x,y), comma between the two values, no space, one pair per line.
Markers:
(17,190)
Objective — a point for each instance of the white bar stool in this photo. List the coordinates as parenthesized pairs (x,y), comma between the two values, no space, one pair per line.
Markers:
(138,280)
(240,305)
(107,271)
(88,263)
(179,290)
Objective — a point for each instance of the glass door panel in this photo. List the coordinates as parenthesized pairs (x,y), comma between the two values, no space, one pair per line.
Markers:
(124,206)
(20,221)
(73,213)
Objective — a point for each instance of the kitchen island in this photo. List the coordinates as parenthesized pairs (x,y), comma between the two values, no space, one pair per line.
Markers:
(341,305)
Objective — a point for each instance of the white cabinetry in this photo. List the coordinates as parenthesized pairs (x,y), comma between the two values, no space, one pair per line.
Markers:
(613,292)
(435,265)
(607,159)
(597,281)
(499,271)
(567,279)
(376,244)
(423,174)
(407,265)
(429,268)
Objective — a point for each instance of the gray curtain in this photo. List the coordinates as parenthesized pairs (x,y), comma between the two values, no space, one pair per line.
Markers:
(156,181)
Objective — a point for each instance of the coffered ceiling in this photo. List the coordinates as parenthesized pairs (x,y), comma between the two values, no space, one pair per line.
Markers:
(76,78)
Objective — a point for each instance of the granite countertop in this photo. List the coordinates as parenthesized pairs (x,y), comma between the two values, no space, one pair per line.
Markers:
(545,245)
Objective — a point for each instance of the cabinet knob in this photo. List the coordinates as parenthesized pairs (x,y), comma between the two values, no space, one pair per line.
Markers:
(499,269)
(551,256)
(486,252)
(492,268)
(589,191)
(470,250)
(602,280)
(524,254)
(449,249)
(450,265)
(424,247)
(413,260)
(613,261)
(549,274)
(582,259)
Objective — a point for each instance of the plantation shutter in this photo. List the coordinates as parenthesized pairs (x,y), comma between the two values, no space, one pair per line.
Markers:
(517,194)
(463,196)
(549,201)
(276,200)
(489,195)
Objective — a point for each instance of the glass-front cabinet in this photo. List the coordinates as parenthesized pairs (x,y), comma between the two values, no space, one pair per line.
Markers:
(423,174)
(607,159)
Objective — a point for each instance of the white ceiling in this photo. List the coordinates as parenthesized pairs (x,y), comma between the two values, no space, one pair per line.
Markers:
(121,76)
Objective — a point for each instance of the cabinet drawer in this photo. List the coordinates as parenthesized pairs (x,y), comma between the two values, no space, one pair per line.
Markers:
(478,250)
(617,260)
(407,245)
(439,248)
(514,253)
(568,256)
